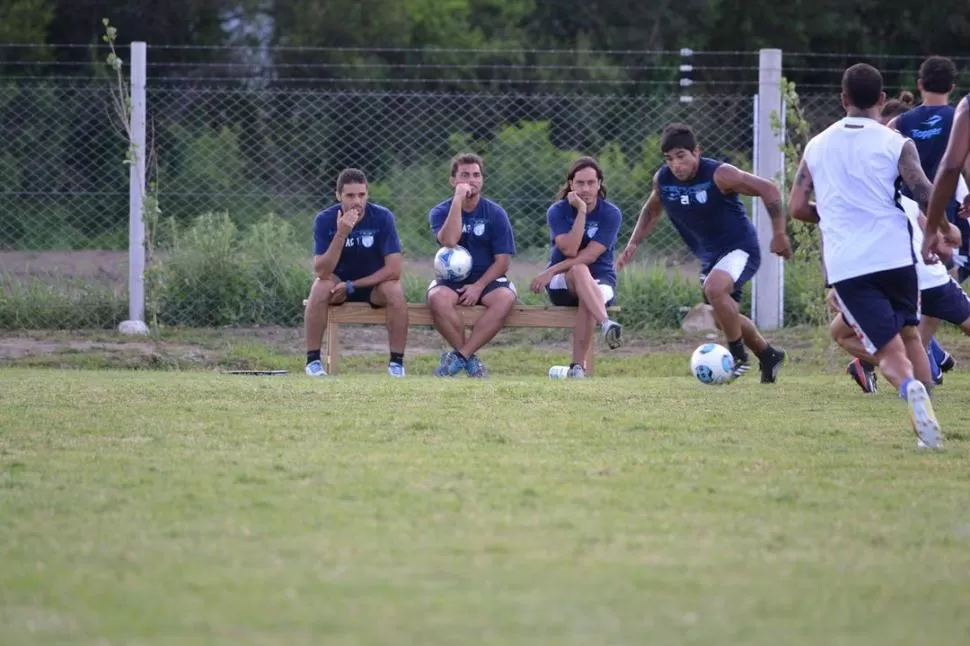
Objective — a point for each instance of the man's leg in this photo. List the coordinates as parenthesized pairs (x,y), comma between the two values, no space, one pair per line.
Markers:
(721,291)
(581,283)
(315,324)
(443,303)
(390,296)
(498,299)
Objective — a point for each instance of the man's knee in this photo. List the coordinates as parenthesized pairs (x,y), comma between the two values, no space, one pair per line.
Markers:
(441,298)
(320,292)
(391,293)
(718,285)
(501,298)
(579,271)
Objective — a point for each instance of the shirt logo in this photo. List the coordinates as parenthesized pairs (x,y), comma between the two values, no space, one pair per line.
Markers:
(701,196)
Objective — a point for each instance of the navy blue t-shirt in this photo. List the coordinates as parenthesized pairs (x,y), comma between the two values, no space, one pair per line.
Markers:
(486,232)
(710,222)
(929,128)
(372,238)
(602,225)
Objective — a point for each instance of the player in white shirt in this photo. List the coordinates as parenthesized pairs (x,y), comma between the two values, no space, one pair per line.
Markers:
(853,167)
(941,297)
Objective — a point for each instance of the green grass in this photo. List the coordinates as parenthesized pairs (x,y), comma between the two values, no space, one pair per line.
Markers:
(151,507)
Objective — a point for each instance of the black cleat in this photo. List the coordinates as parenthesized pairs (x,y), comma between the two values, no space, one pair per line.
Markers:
(771,364)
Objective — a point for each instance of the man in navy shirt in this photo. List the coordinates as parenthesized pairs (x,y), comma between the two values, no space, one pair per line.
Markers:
(701,197)
(356,258)
(583,228)
(483,228)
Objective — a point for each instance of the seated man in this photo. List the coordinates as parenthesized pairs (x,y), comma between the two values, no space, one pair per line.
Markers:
(357,258)
(583,227)
(482,227)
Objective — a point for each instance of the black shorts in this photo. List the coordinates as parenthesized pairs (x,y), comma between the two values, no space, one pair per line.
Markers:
(560,296)
(362,295)
(877,306)
(501,282)
(947,302)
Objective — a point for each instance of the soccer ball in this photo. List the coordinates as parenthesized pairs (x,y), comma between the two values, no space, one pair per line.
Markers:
(452,263)
(712,364)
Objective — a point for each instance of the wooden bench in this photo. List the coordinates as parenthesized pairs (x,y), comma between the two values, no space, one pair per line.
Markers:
(419,315)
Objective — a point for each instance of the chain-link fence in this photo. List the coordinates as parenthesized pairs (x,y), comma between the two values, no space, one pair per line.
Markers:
(240,173)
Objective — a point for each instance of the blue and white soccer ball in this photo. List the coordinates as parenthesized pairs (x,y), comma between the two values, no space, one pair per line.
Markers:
(712,364)
(452,263)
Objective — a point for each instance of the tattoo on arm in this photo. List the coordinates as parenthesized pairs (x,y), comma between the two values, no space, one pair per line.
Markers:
(775,211)
(802,180)
(913,176)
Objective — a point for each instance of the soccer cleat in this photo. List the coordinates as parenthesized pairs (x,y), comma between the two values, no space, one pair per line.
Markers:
(922,415)
(451,365)
(475,368)
(948,363)
(741,366)
(395,369)
(611,332)
(865,377)
(771,365)
(576,372)
(315,369)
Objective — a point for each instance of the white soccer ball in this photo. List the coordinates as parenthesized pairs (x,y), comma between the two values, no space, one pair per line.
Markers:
(452,263)
(712,364)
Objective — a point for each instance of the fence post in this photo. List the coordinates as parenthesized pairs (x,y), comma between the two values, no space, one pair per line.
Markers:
(136,193)
(767,294)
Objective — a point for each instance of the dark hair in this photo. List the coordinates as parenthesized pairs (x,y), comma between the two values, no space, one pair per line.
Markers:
(466,159)
(350,176)
(938,74)
(575,167)
(862,85)
(677,135)
(899,105)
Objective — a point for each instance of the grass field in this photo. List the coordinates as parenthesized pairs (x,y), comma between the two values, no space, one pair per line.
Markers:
(151,507)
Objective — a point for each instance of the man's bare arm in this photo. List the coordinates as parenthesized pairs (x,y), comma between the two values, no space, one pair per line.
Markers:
(800,203)
(732,178)
(948,174)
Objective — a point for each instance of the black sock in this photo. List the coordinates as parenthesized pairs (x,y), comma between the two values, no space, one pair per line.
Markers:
(312,355)
(573,365)
(397,357)
(460,356)
(737,350)
(868,367)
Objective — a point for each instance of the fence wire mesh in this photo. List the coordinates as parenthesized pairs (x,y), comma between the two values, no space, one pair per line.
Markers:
(242,170)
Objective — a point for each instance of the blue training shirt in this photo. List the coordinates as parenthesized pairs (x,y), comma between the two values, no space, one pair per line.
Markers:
(486,232)
(372,238)
(710,222)
(929,127)
(602,225)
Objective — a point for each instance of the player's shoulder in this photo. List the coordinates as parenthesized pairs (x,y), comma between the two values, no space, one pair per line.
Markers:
(328,214)
(559,207)
(492,208)
(442,206)
(380,212)
(610,208)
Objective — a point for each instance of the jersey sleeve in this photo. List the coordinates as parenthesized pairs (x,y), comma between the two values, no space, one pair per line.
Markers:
(437,217)
(557,217)
(323,234)
(390,241)
(503,240)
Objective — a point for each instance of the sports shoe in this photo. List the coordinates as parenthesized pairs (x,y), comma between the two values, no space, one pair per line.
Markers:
(741,366)
(611,332)
(315,369)
(922,415)
(395,369)
(863,375)
(771,364)
(451,365)
(475,368)
(576,372)
(948,363)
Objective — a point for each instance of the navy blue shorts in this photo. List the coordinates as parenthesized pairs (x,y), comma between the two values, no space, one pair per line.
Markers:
(502,282)
(741,264)
(877,306)
(948,302)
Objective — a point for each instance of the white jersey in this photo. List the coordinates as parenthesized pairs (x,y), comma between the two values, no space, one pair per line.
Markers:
(962,190)
(929,276)
(855,167)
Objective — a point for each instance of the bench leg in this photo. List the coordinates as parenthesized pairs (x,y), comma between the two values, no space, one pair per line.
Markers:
(333,348)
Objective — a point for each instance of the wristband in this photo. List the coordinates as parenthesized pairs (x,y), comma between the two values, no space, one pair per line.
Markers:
(350,287)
